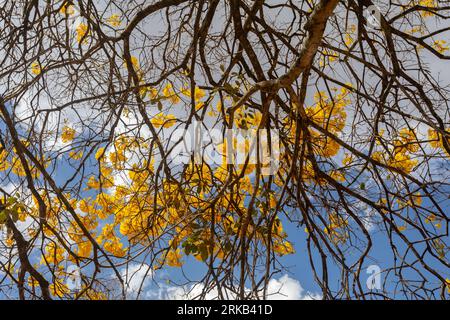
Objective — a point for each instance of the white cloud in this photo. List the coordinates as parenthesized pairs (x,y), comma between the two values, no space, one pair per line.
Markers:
(287,288)
(137,279)
(284,288)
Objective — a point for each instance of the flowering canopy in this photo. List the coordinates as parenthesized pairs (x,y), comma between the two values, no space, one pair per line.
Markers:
(92,91)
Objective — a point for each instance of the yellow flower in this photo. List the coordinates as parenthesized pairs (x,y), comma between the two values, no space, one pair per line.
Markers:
(84,249)
(53,254)
(82,30)
(162,120)
(17,167)
(329,112)
(437,140)
(327,56)
(110,241)
(67,9)
(117,159)
(100,153)
(68,134)
(58,289)
(4,164)
(425,3)
(84,206)
(434,220)
(403,162)
(329,147)
(115,247)
(32,282)
(416,200)
(153,93)
(36,68)
(76,155)
(170,94)
(440,46)
(135,62)
(283,248)
(91,294)
(107,203)
(246,118)
(337,175)
(93,183)
(348,39)
(173,258)
(408,140)
(348,158)
(198,93)
(114,20)
(433,135)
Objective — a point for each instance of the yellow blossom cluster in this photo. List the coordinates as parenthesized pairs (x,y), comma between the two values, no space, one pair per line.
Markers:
(437,140)
(402,154)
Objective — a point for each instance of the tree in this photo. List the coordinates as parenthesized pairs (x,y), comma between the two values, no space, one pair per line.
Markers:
(94,92)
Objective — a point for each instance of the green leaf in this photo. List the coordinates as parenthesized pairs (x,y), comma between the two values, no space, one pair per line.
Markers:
(228,246)
(3,216)
(204,253)
(14,215)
